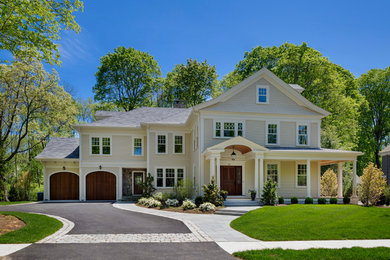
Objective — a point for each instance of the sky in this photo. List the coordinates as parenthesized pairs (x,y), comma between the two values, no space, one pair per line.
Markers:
(353,34)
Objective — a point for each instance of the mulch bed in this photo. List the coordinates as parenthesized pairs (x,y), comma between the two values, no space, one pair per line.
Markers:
(10,223)
(180,210)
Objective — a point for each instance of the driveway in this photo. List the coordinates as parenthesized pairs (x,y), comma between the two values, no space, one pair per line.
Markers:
(95,219)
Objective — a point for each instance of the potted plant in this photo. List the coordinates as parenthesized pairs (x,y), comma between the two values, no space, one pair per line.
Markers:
(252,193)
(224,194)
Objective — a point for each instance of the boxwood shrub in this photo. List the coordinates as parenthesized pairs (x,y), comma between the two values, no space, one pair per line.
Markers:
(309,200)
(281,200)
(321,201)
(346,200)
(333,201)
(294,200)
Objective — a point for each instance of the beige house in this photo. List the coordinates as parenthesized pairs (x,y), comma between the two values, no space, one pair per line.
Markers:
(262,128)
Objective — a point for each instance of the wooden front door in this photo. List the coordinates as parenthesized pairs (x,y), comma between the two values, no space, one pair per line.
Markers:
(64,186)
(231,179)
(101,186)
(138,180)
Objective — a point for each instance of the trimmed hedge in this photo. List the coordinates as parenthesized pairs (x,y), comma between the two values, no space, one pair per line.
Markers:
(309,200)
(346,200)
(333,201)
(294,200)
(321,201)
(281,200)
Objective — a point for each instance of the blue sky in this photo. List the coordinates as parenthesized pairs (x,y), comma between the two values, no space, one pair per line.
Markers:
(354,34)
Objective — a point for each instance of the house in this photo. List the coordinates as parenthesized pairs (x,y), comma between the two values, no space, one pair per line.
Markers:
(385,153)
(262,128)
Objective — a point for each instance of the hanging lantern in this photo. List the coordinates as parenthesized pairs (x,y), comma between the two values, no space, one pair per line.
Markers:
(233,155)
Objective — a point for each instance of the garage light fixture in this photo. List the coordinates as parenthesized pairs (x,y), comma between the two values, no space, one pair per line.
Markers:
(100,167)
(64,168)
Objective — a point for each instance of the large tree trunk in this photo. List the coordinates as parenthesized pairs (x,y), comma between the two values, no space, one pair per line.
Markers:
(3,181)
(377,159)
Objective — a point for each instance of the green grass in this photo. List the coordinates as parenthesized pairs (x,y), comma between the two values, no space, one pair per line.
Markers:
(344,253)
(37,227)
(315,222)
(13,202)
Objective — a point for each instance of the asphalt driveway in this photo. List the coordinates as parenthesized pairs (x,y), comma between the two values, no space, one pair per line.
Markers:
(103,218)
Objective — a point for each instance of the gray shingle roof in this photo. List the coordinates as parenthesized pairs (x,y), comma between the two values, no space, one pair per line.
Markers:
(135,117)
(385,151)
(60,148)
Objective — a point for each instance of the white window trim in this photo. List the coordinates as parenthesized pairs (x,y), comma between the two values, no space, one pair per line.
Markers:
(164,176)
(100,145)
(277,134)
(222,128)
(308,133)
(142,145)
(166,142)
(257,94)
(184,141)
(296,175)
(279,169)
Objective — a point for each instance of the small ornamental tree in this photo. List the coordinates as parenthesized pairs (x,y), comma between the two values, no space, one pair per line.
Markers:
(212,193)
(148,187)
(372,185)
(329,184)
(269,196)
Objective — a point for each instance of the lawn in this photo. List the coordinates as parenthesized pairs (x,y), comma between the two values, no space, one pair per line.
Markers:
(13,202)
(315,222)
(37,227)
(344,253)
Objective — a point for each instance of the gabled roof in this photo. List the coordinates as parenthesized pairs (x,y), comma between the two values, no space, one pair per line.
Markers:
(143,115)
(290,91)
(60,148)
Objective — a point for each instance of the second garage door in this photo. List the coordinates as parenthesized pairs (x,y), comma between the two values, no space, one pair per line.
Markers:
(64,186)
(101,186)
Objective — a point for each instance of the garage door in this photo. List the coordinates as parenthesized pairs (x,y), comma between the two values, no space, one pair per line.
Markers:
(101,186)
(64,186)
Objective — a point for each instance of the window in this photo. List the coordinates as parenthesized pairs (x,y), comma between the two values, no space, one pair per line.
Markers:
(169,177)
(228,129)
(100,145)
(161,144)
(180,176)
(160,178)
(272,133)
(95,145)
(273,172)
(262,95)
(179,144)
(302,135)
(301,175)
(137,147)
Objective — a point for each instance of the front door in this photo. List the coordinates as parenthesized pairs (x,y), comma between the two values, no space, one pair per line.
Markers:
(231,179)
(138,180)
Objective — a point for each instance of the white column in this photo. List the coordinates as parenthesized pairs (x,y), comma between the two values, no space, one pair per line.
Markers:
(212,167)
(219,171)
(121,183)
(340,180)
(257,176)
(261,176)
(308,184)
(45,185)
(354,198)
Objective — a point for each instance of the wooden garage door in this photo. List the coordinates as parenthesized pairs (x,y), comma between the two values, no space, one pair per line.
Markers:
(101,186)
(64,186)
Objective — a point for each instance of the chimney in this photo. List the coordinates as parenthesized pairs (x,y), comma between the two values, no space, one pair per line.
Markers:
(179,103)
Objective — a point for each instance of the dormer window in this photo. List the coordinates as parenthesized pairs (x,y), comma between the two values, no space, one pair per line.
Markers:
(262,94)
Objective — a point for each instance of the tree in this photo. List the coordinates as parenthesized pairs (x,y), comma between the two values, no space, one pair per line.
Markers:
(148,187)
(375,113)
(212,193)
(372,185)
(127,77)
(269,196)
(326,84)
(32,108)
(329,183)
(193,82)
(30,28)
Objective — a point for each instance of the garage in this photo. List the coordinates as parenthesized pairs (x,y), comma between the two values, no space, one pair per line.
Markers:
(64,186)
(101,186)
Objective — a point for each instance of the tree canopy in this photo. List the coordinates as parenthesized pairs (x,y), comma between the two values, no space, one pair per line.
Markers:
(127,78)
(193,82)
(31,28)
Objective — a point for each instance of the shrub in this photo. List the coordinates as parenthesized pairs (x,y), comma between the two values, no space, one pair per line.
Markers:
(149,202)
(321,201)
(207,207)
(172,202)
(386,193)
(188,204)
(372,185)
(183,189)
(198,201)
(167,195)
(294,200)
(142,201)
(148,187)
(309,200)
(333,200)
(158,196)
(22,188)
(269,196)
(329,183)
(281,200)
(212,193)
(346,200)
